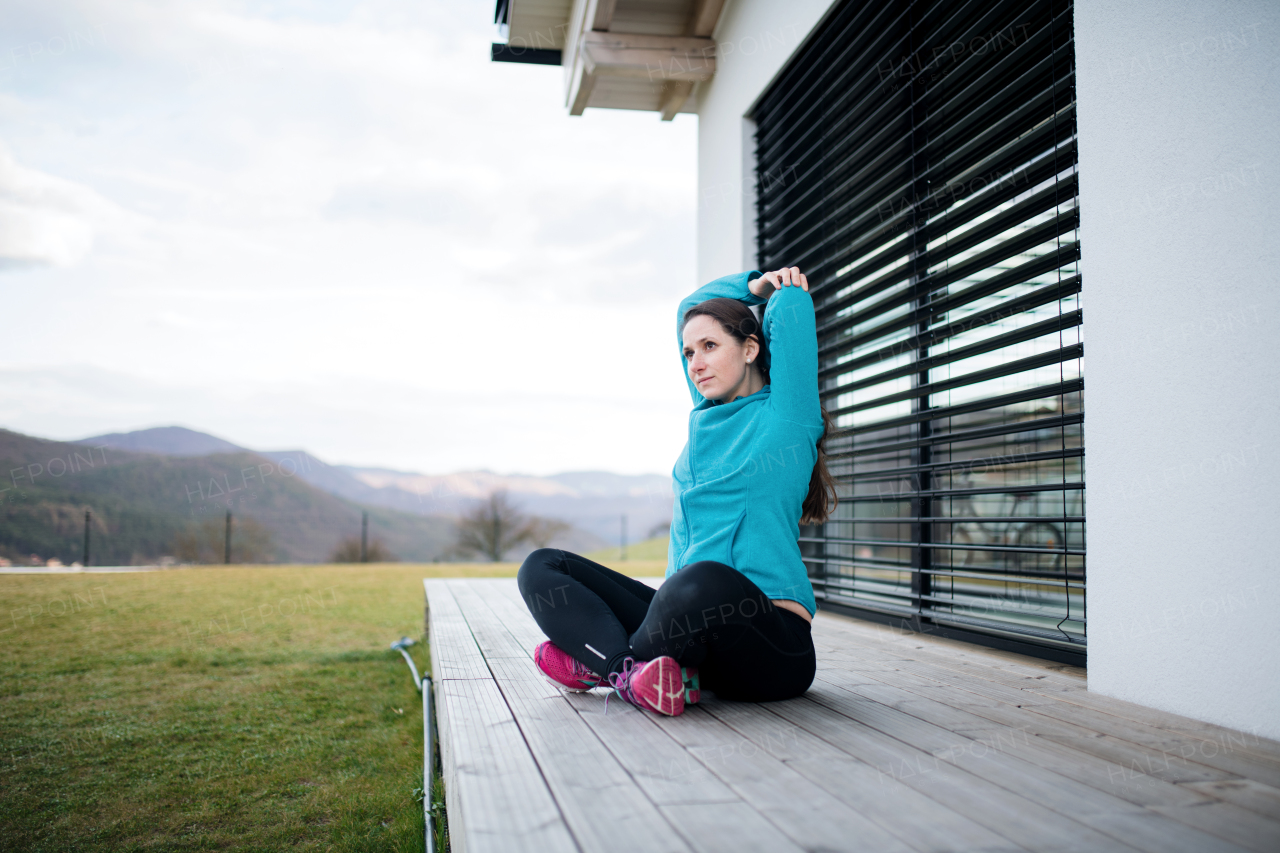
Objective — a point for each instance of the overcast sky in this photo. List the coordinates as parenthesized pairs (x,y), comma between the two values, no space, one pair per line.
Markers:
(338,227)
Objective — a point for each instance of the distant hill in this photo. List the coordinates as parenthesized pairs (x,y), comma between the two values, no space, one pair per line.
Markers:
(142,501)
(592,501)
(649,549)
(168,441)
(585,483)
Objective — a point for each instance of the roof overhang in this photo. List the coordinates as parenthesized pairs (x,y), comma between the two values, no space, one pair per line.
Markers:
(616,54)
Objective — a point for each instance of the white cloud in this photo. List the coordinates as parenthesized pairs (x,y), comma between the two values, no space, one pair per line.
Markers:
(313,195)
(44,220)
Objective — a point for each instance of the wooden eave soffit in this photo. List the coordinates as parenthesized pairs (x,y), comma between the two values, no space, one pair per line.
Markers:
(675,62)
(655,58)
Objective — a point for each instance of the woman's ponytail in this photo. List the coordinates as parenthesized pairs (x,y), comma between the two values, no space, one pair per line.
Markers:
(822,498)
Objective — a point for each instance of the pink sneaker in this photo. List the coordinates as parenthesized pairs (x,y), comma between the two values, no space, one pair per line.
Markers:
(562,670)
(656,685)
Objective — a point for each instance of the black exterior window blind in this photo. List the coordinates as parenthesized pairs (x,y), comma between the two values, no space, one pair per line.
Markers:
(918,161)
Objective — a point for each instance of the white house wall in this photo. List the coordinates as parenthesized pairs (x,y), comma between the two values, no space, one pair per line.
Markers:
(754,39)
(1179,120)
(1179,117)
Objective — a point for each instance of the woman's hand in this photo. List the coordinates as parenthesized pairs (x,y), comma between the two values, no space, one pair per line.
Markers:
(767,284)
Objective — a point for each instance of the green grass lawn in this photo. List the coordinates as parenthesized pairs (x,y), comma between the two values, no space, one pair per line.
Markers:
(646,557)
(249,708)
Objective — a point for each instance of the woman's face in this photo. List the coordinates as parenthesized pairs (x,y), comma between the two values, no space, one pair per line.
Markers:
(718,364)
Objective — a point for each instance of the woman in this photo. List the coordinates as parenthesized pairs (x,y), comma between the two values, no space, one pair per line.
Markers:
(734,613)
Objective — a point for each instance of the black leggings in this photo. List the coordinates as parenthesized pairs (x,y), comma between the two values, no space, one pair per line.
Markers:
(706,615)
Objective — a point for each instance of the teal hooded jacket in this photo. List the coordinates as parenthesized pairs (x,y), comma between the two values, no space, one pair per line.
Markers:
(744,472)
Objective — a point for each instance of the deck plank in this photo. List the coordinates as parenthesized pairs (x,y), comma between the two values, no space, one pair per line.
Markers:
(1079,766)
(1247,752)
(660,765)
(497,799)
(1134,759)
(586,780)
(1221,824)
(1246,793)
(906,744)
(449,632)
(955,654)
(1246,741)
(1021,821)
(503,598)
(1220,754)
(490,632)
(495,794)
(1003,762)
(803,811)
(1020,766)
(985,688)
(727,828)
(704,811)
(1232,823)
(934,828)
(1001,683)
(600,800)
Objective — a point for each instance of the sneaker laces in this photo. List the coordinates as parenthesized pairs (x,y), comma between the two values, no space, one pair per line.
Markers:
(582,672)
(621,683)
(577,669)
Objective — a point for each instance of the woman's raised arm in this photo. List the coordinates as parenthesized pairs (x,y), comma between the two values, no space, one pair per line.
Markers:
(791,331)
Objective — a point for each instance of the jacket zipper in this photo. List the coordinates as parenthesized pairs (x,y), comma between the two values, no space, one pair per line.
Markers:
(693,481)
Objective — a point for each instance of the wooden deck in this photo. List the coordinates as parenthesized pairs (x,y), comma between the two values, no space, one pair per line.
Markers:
(905,742)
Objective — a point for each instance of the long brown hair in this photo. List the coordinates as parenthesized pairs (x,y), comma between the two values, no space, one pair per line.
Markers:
(740,323)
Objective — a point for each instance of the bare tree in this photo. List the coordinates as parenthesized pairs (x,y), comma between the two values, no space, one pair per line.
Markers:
(348,551)
(496,526)
(492,528)
(543,530)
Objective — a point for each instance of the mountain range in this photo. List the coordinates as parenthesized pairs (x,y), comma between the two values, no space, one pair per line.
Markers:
(593,502)
(138,506)
(148,491)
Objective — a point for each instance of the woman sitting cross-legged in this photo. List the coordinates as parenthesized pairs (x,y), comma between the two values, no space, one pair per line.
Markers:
(733,615)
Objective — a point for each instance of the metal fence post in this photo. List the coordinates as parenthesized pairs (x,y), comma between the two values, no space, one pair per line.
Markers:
(88,516)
